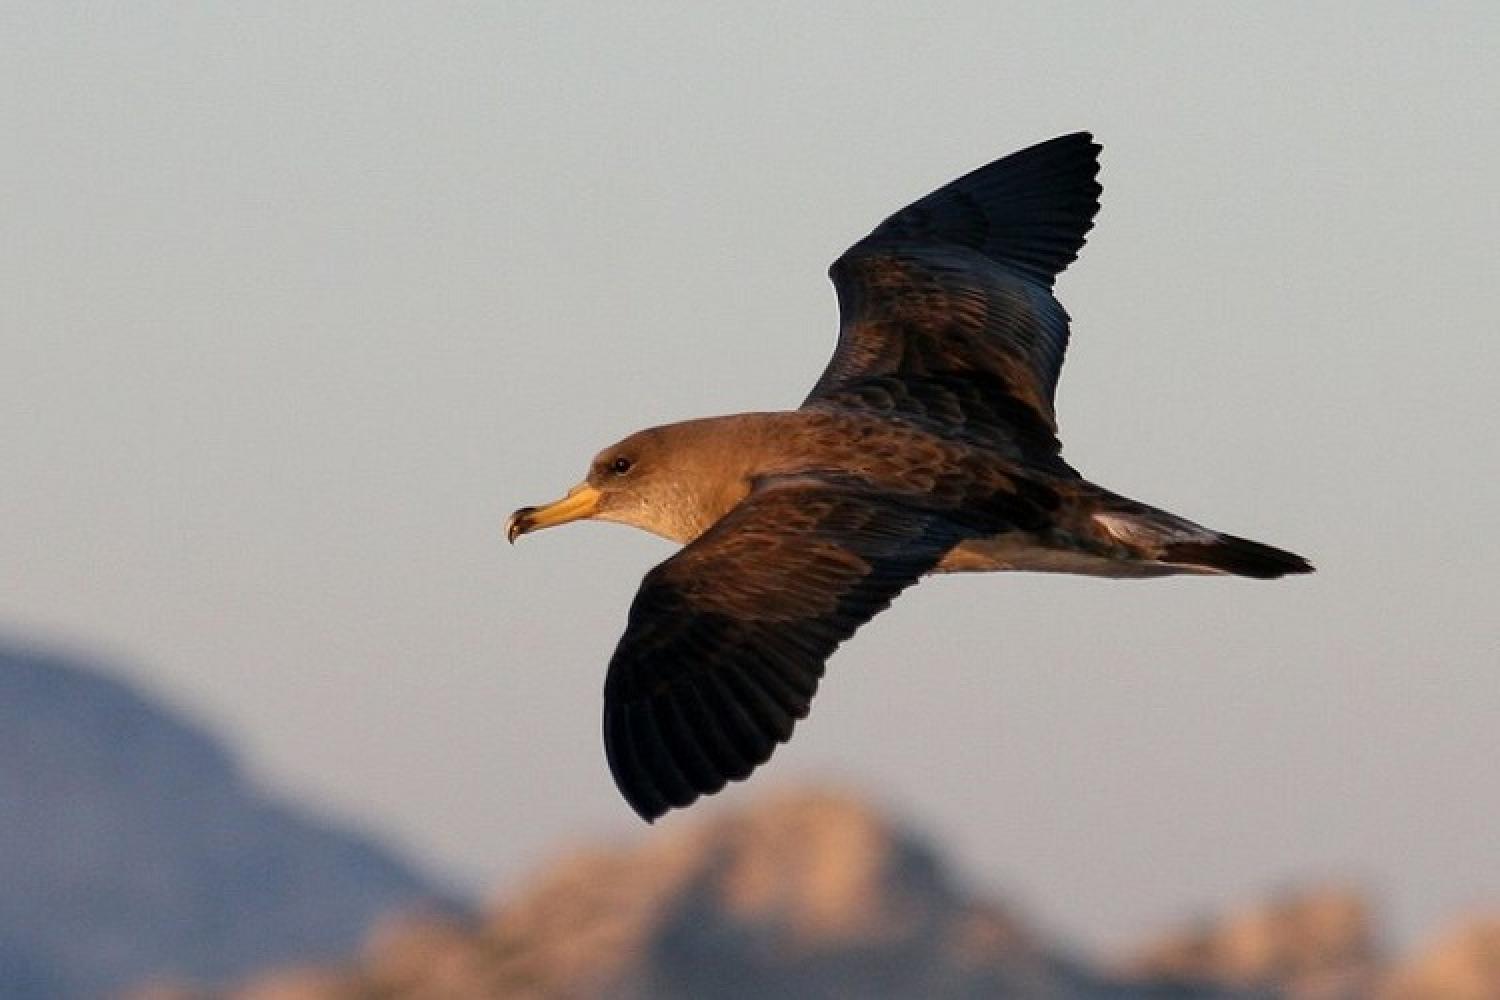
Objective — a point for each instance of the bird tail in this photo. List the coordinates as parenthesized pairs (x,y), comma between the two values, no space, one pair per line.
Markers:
(1155,537)
(1235,556)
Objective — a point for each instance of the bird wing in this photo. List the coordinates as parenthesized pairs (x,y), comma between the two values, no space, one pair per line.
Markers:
(727,640)
(960,282)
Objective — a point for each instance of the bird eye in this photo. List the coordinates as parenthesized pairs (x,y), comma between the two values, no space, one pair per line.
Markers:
(620,466)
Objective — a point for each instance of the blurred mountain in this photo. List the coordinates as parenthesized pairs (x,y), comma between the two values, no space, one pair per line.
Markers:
(819,896)
(1322,946)
(134,855)
(1317,944)
(131,848)
(807,895)
(1463,964)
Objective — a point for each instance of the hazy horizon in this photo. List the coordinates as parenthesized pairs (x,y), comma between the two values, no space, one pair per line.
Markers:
(303,301)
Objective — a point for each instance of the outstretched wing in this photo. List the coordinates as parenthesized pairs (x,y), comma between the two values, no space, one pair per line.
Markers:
(727,639)
(961,281)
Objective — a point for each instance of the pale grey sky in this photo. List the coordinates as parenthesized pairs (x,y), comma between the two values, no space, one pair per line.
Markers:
(298,301)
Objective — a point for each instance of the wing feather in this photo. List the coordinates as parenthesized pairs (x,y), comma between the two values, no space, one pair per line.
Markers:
(709,728)
(619,734)
(960,283)
(655,759)
(687,749)
(732,720)
(1028,212)
(727,640)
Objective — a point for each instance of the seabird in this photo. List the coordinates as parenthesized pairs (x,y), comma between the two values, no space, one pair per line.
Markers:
(929,445)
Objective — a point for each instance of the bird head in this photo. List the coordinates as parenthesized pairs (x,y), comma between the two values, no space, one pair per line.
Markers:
(625,482)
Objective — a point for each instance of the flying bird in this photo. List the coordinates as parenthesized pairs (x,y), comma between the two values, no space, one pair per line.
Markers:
(928,445)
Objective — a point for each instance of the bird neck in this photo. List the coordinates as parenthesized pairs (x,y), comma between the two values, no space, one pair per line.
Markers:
(712,478)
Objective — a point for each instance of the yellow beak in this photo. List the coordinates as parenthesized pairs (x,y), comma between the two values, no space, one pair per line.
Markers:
(582,501)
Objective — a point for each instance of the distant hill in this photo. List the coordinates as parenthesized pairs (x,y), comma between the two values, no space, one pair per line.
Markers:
(132,848)
(807,895)
(817,897)
(135,858)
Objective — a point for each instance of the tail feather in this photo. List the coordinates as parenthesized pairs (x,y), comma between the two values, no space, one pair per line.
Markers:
(1235,555)
(1154,536)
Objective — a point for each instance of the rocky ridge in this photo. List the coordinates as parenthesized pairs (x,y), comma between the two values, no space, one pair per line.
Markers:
(819,896)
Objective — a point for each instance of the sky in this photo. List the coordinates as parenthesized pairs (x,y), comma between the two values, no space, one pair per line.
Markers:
(300,301)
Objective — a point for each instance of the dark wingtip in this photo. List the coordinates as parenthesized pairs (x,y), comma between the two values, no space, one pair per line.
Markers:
(630,777)
(663,760)
(1081,138)
(1029,211)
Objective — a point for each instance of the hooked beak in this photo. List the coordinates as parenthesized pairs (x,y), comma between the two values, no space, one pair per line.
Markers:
(582,501)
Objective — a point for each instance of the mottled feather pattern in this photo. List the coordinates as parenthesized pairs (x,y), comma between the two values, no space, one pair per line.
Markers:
(961,280)
(985,488)
(726,641)
(976,407)
(945,310)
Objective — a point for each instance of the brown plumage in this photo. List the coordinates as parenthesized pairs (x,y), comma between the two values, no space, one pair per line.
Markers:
(929,444)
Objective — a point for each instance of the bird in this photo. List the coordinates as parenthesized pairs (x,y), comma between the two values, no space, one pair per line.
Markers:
(928,445)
